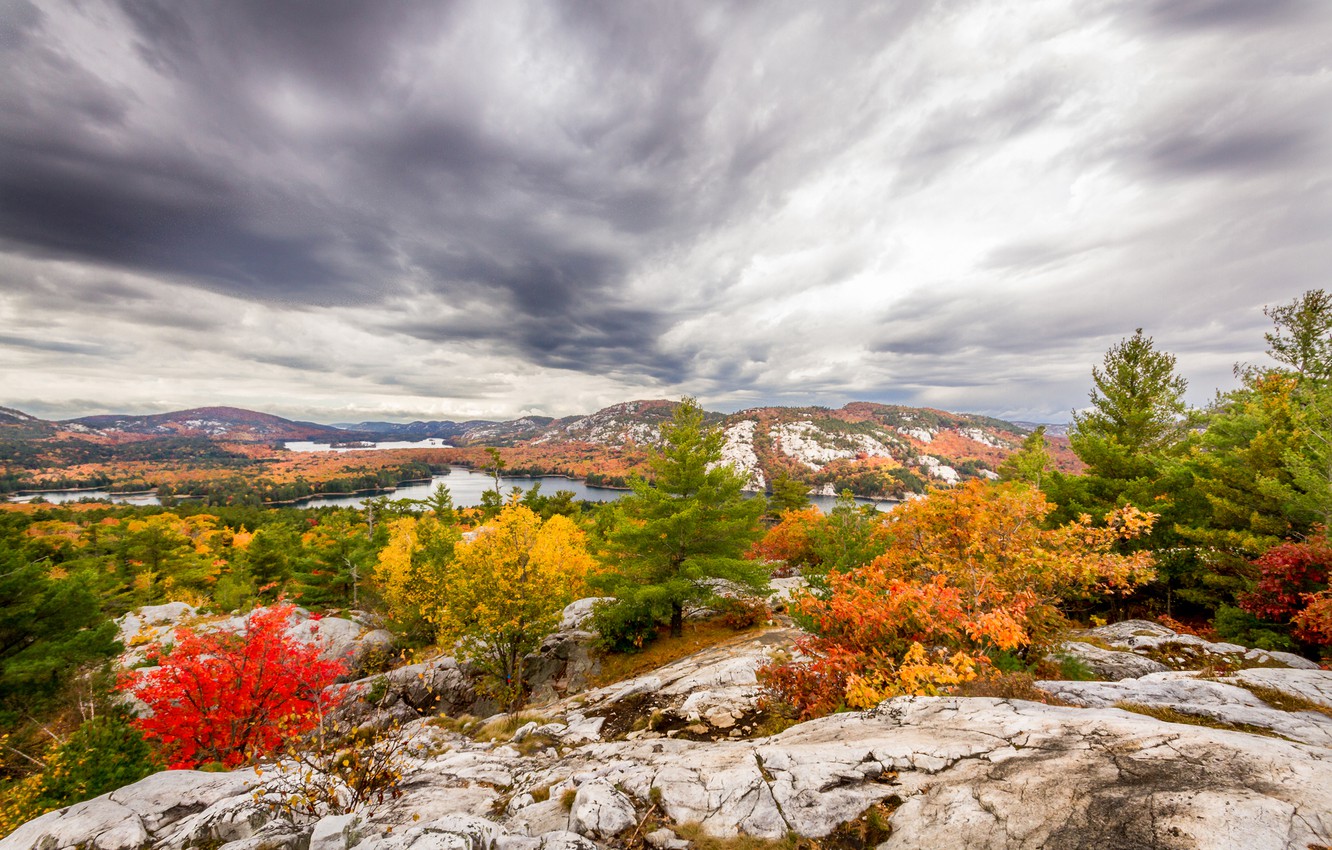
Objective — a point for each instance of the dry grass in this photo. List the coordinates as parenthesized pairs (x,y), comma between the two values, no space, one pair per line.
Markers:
(1283,701)
(1007,686)
(502,727)
(700,840)
(1170,715)
(616,667)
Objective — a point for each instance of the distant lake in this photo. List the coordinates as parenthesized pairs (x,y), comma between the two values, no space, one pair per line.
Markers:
(465,485)
(428,443)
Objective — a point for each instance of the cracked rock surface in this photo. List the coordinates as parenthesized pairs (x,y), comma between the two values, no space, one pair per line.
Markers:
(979,772)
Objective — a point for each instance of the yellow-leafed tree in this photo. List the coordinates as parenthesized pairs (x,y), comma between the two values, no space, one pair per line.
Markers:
(504,592)
(413,569)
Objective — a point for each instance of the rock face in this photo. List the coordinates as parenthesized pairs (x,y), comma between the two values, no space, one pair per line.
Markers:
(1109,663)
(955,772)
(1219,702)
(1174,651)
(351,640)
(1138,761)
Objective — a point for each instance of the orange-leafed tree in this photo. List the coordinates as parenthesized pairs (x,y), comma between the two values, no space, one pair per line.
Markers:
(970,571)
(233,697)
(791,539)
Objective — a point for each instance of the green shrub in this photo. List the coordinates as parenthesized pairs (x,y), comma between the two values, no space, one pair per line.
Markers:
(103,754)
(623,625)
(1236,625)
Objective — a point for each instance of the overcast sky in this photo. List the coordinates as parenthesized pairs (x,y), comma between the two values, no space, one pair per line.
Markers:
(382,210)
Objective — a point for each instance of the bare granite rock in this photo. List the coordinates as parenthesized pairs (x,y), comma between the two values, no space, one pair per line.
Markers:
(1215,701)
(1111,664)
(1312,685)
(961,772)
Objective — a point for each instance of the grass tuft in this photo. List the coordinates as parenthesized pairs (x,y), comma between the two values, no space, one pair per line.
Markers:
(1170,715)
(1282,701)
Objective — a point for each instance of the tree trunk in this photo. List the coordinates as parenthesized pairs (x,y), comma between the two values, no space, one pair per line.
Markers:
(677,620)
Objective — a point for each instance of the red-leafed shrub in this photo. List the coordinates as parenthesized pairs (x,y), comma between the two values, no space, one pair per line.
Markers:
(1314,623)
(232,698)
(1290,573)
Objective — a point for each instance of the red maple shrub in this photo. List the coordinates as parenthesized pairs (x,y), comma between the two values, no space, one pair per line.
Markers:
(1290,573)
(233,698)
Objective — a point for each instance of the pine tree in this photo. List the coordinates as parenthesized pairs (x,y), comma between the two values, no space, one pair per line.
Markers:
(690,523)
(1030,463)
(1137,413)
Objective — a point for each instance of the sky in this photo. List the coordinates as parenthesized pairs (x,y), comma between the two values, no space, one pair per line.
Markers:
(345,211)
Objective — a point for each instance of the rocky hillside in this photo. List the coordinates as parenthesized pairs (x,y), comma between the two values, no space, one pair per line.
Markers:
(871,449)
(220,423)
(628,423)
(1184,744)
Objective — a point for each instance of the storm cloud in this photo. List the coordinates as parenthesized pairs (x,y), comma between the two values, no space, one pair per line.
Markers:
(350,210)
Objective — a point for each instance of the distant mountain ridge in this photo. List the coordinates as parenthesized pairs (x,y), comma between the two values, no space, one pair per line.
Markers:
(630,421)
(872,449)
(228,423)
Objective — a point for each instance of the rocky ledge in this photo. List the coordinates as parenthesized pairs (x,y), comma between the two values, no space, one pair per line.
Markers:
(1228,756)
(943,771)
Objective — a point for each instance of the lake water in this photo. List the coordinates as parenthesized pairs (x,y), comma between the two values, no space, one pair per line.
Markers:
(428,443)
(464,484)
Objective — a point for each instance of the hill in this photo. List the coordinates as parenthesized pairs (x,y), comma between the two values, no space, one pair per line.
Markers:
(219,423)
(871,449)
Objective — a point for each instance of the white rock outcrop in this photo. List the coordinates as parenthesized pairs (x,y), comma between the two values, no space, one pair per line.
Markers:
(978,772)
(738,452)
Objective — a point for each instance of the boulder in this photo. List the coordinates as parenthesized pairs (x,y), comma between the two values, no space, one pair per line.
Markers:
(601,811)
(577,613)
(564,664)
(1109,663)
(335,832)
(146,622)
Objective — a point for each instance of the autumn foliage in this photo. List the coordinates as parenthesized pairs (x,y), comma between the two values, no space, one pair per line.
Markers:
(505,590)
(970,571)
(232,698)
(1293,586)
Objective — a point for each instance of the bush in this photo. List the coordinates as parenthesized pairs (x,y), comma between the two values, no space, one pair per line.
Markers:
(623,626)
(103,754)
(221,696)
(741,614)
(1239,626)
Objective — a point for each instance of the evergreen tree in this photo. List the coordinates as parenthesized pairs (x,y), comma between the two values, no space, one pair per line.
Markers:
(49,627)
(788,494)
(1302,338)
(1137,413)
(1031,463)
(691,522)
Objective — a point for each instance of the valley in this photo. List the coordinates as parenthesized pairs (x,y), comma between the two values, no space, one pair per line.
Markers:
(229,455)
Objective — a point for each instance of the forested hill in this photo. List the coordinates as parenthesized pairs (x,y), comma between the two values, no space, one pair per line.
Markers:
(871,449)
(229,423)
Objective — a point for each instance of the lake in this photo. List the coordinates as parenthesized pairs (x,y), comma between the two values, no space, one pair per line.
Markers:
(464,484)
(428,443)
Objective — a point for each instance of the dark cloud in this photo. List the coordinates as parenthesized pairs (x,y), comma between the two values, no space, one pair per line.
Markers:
(58,346)
(1202,14)
(860,200)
